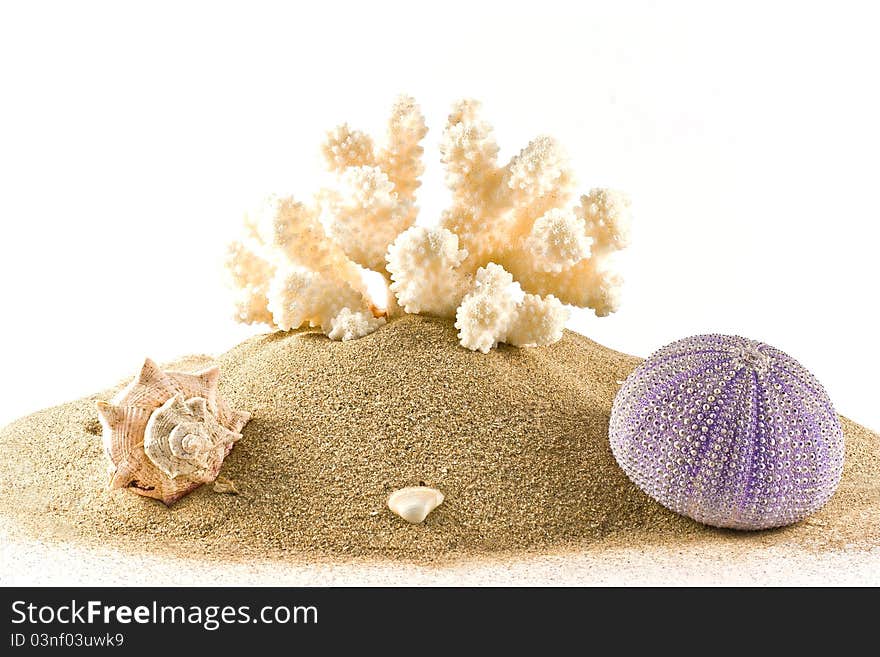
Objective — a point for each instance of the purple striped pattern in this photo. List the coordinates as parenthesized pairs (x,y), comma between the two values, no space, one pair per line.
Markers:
(729,432)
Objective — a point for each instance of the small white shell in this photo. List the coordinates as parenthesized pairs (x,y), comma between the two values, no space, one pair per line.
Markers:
(414,503)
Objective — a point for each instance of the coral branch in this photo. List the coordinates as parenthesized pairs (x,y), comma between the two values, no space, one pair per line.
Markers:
(288,273)
(376,198)
(514,216)
(350,325)
(590,282)
(469,151)
(299,237)
(537,321)
(557,240)
(485,313)
(423,263)
(250,275)
(490,314)
(401,157)
(345,147)
(298,298)
(367,215)
(537,180)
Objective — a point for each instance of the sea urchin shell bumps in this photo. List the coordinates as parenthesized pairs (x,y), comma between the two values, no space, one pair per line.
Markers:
(729,432)
(167,433)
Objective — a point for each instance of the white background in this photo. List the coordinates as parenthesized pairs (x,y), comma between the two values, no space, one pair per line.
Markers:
(132,139)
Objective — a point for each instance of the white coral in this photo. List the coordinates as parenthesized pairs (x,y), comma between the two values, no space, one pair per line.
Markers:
(289,270)
(469,151)
(367,215)
(485,313)
(538,177)
(558,239)
(345,147)
(490,314)
(592,281)
(350,325)
(298,298)
(423,263)
(537,321)
(401,156)
(508,254)
(399,159)
(250,274)
(606,213)
(500,214)
(287,273)
(300,239)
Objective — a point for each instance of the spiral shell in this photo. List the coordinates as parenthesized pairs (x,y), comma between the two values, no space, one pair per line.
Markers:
(167,433)
(728,431)
(183,438)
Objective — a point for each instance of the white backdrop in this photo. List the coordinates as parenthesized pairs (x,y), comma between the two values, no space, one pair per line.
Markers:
(132,138)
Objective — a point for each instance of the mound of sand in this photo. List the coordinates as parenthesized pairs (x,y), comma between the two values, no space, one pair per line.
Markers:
(516,439)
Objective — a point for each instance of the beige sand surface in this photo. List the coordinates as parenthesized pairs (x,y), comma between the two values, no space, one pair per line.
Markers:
(32,563)
(516,439)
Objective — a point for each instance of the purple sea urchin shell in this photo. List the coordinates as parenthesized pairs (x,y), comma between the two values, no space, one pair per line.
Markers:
(729,432)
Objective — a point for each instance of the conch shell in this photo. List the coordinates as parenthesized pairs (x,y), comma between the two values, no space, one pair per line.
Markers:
(183,438)
(167,433)
(414,503)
